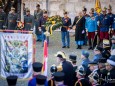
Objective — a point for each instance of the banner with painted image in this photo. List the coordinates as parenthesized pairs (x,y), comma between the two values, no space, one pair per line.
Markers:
(16,54)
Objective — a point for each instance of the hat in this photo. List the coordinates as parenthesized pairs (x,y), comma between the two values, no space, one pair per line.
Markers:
(97,48)
(111,60)
(93,63)
(81,70)
(106,42)
(12,8)
(102,60)
(104,9)
(11,80)
(113,37)
(37,66)
(72,57)
(53,69)
(84,9)
(27,10)
(60,55)
(109,7)
(41,79)
(58,76)
(85,53)
(38,5)
(45,12)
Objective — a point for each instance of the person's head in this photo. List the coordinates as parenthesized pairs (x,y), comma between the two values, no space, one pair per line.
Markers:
(41,80)
(101,63)
(23,5)
(98,50)
(91,14)
(110,63)
(84,10)
(80,72)
(104,10)
(65,14)
(37,67)
(113,39)
(109,9)
(12,80)
(60,57)
(12,10)
(38,6)
(58,78)
(84,54)
(1,8)
(93,66)
(80,14)
(45,13)
(73,59)
(27,11)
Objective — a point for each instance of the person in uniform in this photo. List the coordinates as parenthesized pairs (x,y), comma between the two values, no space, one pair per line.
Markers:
(73,60)
(42,28)
(37,14)
(80,74)
(12,19)
(37,67)
(110,66)
(59,78)
(91,29)
(24,9)
(104,25)
(65,31)
(2,18)
(67,68)
(12,80)
(97,52)
(113,25)
(28,21)
(106,49)
(79,22)
(93,66)
(41,80)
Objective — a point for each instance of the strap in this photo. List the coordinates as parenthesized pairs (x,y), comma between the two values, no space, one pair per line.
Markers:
(78,82)
(78,20)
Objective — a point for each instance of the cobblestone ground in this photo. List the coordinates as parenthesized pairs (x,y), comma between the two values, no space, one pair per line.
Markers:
(54,46)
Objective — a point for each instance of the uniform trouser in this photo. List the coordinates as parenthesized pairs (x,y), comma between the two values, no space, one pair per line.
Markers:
(91,38)
(104,35)
(44,38)
(65,38)
(38,34)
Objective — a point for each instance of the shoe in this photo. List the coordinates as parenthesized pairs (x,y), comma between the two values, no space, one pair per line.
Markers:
(68,47)
(90,48)
(80,47)
(64,47)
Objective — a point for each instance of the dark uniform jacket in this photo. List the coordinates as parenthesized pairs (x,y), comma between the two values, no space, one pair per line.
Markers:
(69,72)
(106,52)
(12,21)
(2,19)
(80,28)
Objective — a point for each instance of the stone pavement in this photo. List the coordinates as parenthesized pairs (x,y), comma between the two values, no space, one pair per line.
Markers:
(54,46)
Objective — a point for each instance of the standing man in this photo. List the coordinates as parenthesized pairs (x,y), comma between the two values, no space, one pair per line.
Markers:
(2,18)
(91,29)
(42,28)
(24,9)
(12,19)
(65,31)
(37,14)
(28,21)
(79,22)
(104,25)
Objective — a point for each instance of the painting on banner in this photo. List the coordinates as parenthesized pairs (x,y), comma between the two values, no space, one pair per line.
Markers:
(16,54)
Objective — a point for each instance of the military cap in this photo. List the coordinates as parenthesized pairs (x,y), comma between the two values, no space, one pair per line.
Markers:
(11,80)
(104,9)
(73,57)
(109,7)
(97,48)
(58,76)
(84,9)
(38,5)
(37,66)
(53,69)
(60,55)
(113,37)
(85,53)
(81,70)
(12,8)
(45,12)
(41,79)
(93,63)
(106,42)
(111,60)
(102,60)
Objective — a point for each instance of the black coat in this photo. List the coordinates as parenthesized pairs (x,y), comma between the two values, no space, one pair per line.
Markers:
(80,27)
(69,72)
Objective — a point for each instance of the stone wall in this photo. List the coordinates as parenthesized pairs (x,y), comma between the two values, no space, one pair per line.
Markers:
(72,6)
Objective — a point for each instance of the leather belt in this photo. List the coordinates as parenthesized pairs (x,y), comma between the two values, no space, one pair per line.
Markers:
(12,20)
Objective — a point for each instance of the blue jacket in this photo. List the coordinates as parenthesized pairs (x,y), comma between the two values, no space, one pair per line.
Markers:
(91,24)
(111,17)
(104,23)
(113,25)
(97,57)
(85,62)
